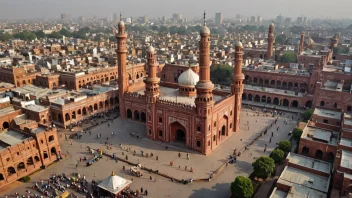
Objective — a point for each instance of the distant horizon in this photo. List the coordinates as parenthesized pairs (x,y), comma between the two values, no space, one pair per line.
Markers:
(269,9)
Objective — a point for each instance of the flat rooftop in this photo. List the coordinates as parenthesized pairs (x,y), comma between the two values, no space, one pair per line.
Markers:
(346,142)
(11,138)
(272,90)
(278,193)
(327,113)
(32,90)
(322,135)
(302,182)
(37,130)
(347,119)
(173,95)
(36,108)
(308,162)
(346,159)
(7,110)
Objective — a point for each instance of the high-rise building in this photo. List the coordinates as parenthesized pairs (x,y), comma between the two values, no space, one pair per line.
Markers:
(115,17)
(65,17)
(81,18)
(253,19)
(280,19)
(218,18)
(164,18)
(259,19)
(176,17)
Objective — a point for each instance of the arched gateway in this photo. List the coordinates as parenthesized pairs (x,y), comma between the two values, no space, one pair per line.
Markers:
(178,132)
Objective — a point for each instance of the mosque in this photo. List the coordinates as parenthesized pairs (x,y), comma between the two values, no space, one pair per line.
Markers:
(189,111)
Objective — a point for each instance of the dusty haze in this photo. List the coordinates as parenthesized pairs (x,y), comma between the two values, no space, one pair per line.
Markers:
(21,9)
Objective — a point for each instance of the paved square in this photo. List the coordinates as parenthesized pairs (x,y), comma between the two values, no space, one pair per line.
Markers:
(161,187)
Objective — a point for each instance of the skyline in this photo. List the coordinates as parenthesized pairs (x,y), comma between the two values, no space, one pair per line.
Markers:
(31,9)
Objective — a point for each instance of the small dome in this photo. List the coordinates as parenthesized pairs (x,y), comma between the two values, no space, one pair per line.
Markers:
(121,23)
(151,50)
(238,44)
(272,25)
(204,30)
(188,78)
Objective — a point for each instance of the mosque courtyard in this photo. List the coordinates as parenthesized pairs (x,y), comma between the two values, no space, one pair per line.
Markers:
(203,166)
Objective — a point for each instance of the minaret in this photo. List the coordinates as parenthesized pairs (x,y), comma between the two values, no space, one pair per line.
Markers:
(271,38)
(300,47)
(121,51)
(204,100)
(152,93)
(237,85)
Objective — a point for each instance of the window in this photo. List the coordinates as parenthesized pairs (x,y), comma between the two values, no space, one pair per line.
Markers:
(18,153)
(160,120)
(51,138)
(198,128)
(215,124)
(208,142)
(231,113)
(8,159)
(198,143)
(150,118)
(325,121)
(41,141)
(160,133)
(230,125)
(214,138)
(150,132)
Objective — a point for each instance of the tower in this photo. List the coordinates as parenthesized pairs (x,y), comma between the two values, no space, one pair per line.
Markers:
(204,100)
(271,39)
(237,85)
(152,93)
(121,51)
(300,47)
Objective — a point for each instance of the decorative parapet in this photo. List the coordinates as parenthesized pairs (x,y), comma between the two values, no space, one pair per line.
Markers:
(175,104)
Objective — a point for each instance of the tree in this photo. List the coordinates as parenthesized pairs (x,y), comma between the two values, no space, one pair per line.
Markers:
(25,35)
(65,32)
(296,29)
(221,74)
(281,39)
(5,36)
(56,35)
(40,34)
(307,114)
(163,29)
(297,133)
(341,50)
(112,38)
(277,155)
(289,57)
(285,145)
(242,187)
(26,179)
(263,167)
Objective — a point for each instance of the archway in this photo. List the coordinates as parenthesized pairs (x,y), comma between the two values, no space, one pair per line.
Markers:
(106,103)
(116,100)
(290,85)
(263,98)
(260,82)
(335,105)
(10,171)
(5,125)
(2,177)
(178,132)
(107,79)
(322,103)
(294,103)
(101,105)
(67,117)
(266,82)
(143,117)
(223,130)
(285,103)
(21,166)
(255,80)
(136,115)
(53,151)
(257,98)
(250,97)
(45,155)
(272,83)
(84,111)
(73,115)
(30,161)
(278,84)
(244,97)
(349,108)
(305,151)
(319,154)
(111,101)
(129,113)
(284,84)
(79,112)
(268,100)
(59,117)
(331,157)
(36,159)
(137,76)
(309,104)
(276,101)
(95,106)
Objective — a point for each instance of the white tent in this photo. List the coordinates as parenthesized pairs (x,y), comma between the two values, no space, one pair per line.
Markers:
(114,184)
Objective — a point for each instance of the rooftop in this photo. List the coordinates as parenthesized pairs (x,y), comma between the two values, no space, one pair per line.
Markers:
(346,159)
(308,162)
(37,130)
(321,135)
(327,113)
(7,110)
(11,138)
(32,90)
(36,108)
(272,90)
(303,182)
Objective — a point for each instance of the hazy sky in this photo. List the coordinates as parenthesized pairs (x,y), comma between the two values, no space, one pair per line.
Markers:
(19,9)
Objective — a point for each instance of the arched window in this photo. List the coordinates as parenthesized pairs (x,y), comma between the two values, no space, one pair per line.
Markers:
(198,128)
(160,133)
(198,143)
(160,120)
(51,138)
(214,138)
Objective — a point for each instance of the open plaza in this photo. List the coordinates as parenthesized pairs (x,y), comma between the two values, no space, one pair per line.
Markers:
(116,138)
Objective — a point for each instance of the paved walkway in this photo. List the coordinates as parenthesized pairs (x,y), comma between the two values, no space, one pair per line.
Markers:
(272,106)
(203,165)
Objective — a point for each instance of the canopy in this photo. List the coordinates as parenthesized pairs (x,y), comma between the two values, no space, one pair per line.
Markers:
(114,183)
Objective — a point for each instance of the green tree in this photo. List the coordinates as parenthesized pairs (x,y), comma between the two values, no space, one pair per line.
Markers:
(112,38)
(5,36)
(221,74)
(277,155)
(25,35)
(263,167)
(262,29)
(163,29)
(26,179)
(289,57)
(281,39)
(40,34)
(307,114)
(242,187)
(297,133)
(65,32)
(341,50)
(285,145)
(296,29)
(56,35)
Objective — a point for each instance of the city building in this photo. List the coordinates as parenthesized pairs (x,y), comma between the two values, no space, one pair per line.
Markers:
(218,18)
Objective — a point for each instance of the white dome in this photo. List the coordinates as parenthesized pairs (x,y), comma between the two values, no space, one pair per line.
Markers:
(188,78)
(238,44)
(150,50)
(204,30)
(121,23)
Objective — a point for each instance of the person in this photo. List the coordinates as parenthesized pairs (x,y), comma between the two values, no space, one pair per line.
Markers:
(179,154)
(126,157)
(146,192)
(157,158)
(141,190)
(150,178)
(264,150)
(185,167)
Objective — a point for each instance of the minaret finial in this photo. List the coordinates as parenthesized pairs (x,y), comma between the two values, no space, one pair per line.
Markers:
(120,16)
(204,17)
(189,63)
